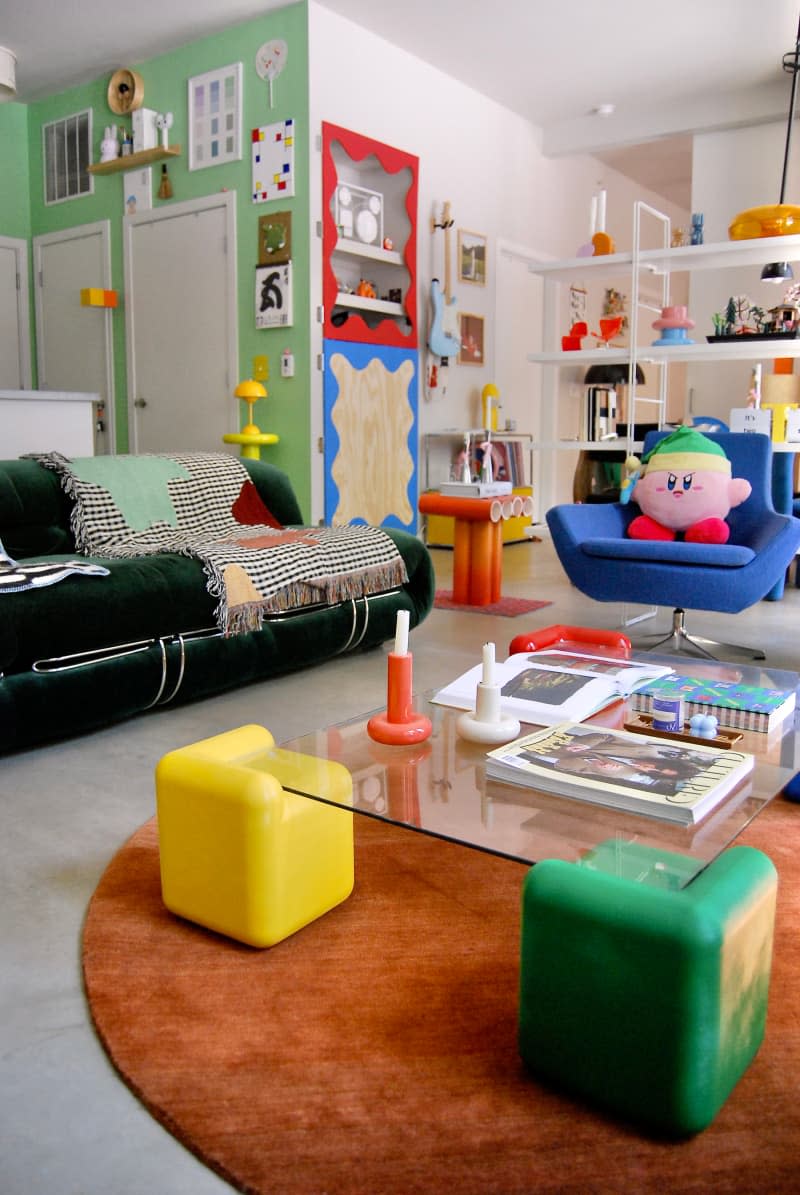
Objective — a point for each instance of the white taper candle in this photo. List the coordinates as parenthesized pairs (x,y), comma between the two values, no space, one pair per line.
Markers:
(488,664)
(401,634)
(601,211)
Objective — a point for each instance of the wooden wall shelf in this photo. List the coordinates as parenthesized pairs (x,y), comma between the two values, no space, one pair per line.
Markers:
(130,161)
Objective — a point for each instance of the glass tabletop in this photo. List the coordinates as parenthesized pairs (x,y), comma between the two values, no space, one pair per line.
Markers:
(440,788)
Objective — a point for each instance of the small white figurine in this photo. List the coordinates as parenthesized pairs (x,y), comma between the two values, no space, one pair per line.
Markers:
(109,147)
(164,122)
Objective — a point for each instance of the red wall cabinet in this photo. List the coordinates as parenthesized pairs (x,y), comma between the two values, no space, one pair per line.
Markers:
(369,240)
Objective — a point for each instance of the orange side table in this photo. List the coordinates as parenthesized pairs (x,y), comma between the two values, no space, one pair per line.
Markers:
(477,544)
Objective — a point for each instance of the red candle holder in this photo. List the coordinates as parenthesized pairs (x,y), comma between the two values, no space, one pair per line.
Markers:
(400,724)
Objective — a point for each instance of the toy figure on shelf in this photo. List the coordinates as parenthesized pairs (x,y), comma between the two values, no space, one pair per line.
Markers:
(572,342)
(697,228)
(685,488)
(673,325)
(609,328)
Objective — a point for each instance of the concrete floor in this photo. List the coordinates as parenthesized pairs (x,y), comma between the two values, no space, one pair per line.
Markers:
(68,1125)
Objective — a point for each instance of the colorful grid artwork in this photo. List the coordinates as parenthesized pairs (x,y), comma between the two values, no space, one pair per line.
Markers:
(273,161)
(215,117)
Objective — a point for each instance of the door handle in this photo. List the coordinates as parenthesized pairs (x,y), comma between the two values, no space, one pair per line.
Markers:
(140,402)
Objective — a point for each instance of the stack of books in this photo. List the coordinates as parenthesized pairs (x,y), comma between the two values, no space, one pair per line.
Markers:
(735,705)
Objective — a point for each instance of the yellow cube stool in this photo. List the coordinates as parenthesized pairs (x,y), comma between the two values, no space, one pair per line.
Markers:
(239,853)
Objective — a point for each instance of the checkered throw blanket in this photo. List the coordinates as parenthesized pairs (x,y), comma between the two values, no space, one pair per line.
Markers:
(205,505)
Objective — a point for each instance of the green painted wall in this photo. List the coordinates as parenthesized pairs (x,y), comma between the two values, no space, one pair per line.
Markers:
(14,186)
(286,410)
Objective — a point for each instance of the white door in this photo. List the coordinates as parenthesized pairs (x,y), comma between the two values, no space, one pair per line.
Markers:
(74,349)
(15,330)
(180,299)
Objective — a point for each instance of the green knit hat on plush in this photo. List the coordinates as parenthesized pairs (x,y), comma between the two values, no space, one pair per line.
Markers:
(686,451)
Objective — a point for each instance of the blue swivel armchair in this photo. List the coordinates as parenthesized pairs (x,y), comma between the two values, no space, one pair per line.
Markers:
(602,563)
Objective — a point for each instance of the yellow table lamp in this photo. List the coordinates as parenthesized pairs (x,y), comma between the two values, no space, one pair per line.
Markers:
(250,437)
(250,391)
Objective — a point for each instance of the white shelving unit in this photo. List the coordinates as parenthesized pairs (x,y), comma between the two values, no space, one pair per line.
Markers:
(656,264)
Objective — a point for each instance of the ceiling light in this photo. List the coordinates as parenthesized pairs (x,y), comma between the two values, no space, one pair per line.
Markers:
(8,74)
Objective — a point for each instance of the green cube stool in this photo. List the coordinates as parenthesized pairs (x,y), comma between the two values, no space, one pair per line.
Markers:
(647,1002)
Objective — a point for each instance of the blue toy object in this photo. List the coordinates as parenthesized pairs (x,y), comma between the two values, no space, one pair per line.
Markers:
(704,725)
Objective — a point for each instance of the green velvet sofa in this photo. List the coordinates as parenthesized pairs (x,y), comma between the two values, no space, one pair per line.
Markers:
(87,652)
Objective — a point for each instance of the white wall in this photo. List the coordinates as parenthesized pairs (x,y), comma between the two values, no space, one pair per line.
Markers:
(487,161)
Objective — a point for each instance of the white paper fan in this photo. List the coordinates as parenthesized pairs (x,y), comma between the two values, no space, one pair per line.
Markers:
(270,61)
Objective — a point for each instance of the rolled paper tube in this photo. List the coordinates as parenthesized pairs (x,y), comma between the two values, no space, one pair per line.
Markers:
(508,508)
(527,505)
(516,506)
(496,511)
(401,633)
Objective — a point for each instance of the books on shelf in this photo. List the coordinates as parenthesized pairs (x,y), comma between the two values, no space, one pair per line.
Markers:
(546,687)
(736,705)
(659,778)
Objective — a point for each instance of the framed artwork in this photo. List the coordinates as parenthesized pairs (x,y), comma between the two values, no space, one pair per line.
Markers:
(471,332)
(577,304)
(137,190)
(471,257)
(272,153)
(275,239)
(274,296)
(215,117)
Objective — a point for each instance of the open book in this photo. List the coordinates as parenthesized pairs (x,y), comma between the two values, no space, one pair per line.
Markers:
(546,687)
(633,772)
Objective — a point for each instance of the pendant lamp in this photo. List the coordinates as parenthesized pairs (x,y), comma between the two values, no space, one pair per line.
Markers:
(775,219)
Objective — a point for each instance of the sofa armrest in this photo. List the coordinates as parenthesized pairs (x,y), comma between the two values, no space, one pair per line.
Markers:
(275,490)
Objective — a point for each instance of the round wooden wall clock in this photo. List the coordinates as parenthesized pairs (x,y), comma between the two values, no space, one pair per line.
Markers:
(125,91)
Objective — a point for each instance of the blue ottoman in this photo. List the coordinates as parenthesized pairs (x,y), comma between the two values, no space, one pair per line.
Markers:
(647,1002)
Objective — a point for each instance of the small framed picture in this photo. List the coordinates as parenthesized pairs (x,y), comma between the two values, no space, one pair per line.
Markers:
(275,239)
(471,257)
(471,332)
(274,296)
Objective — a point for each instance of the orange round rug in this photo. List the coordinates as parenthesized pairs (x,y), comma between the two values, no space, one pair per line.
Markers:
(375,1051)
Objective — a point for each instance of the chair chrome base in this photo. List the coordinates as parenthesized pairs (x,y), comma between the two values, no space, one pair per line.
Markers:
(679,640)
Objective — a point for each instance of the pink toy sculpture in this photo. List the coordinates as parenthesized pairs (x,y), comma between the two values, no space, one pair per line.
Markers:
(685,487)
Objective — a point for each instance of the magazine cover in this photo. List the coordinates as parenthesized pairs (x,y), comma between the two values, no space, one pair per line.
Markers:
(655,776)
(553,686)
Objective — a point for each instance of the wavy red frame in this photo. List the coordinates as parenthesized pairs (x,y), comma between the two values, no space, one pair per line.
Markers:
(392,160)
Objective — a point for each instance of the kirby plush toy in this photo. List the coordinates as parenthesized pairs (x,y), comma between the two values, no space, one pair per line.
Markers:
(685,486)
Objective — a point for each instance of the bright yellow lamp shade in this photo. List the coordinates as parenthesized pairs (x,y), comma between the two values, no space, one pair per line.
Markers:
(770,220)
(250,391)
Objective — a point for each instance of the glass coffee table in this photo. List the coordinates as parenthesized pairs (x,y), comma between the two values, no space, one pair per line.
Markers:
(440,788)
